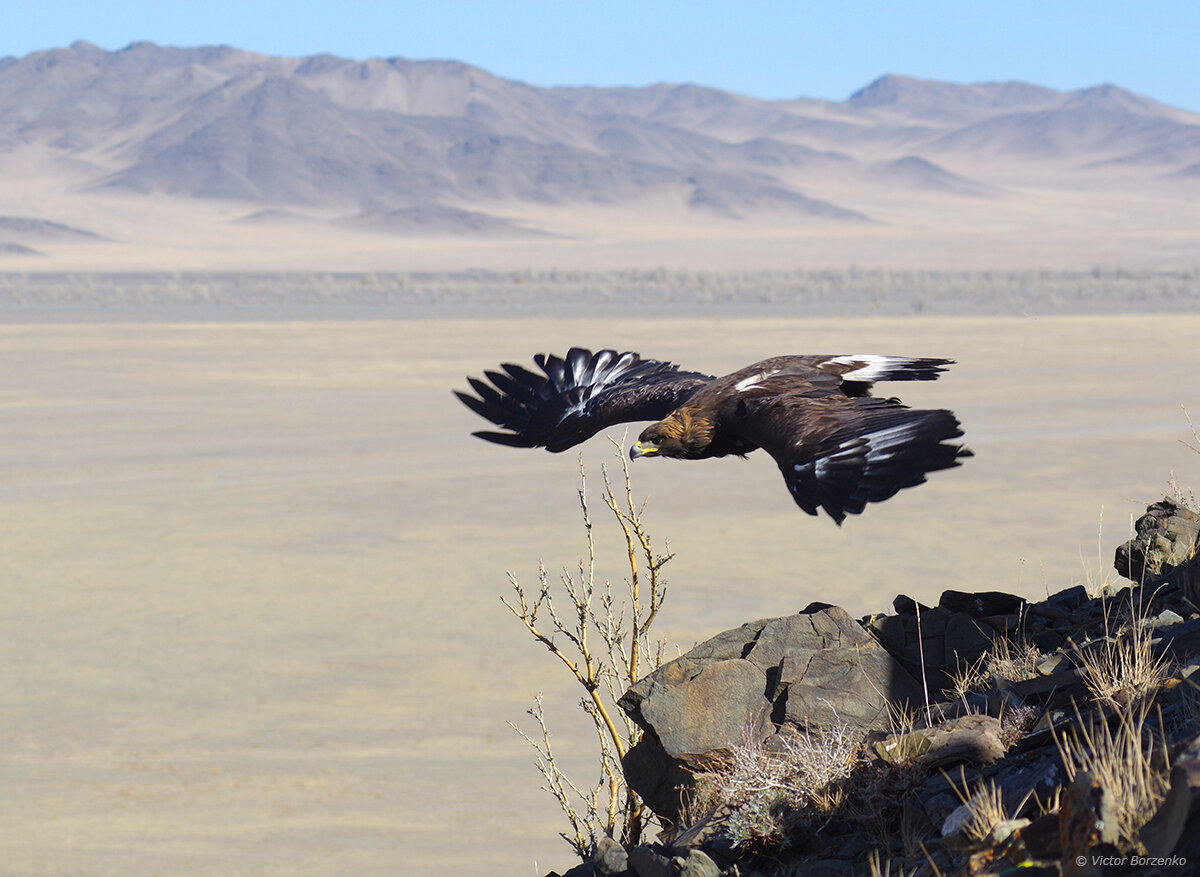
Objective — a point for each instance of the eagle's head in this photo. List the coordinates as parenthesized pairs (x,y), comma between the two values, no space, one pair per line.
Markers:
(678,435)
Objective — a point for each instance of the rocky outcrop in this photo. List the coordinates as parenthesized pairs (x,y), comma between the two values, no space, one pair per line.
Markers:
(818,667)
(1000,729)
(1167,537)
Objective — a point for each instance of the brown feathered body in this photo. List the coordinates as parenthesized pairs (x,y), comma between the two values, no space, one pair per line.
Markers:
(838,447)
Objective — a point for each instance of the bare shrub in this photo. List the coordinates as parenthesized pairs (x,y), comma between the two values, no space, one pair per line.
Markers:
(602,638)
(1195,435)
(1185,497)
(1015,721)
(767,791)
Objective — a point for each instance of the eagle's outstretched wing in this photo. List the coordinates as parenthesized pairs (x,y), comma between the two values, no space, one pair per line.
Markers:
(840,453)
(576,396)
(853,375)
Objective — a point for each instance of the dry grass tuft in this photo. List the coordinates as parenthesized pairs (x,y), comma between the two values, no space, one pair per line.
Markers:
(1014,662)
(879,868)
(1100,579)
(986,808)
(1007,660)
(1122,762)
(1124,670)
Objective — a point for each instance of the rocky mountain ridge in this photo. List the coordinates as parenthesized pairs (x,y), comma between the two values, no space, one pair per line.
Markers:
(373,136)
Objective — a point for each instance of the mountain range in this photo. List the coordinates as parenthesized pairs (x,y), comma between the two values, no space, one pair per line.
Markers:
(401,149)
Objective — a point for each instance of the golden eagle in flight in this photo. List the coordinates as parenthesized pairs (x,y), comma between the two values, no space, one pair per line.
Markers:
(838,447)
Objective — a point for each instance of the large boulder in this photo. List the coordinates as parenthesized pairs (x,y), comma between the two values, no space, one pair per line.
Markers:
(1163,548)
(817,668)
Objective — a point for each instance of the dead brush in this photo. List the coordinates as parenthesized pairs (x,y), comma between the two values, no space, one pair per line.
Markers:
(1015,721)
(767,792)
(602,639)
(1185,497)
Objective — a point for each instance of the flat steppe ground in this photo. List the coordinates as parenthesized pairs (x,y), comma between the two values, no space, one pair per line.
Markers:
(252,570)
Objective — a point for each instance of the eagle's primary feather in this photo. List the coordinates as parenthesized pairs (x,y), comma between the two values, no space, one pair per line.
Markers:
(837,447)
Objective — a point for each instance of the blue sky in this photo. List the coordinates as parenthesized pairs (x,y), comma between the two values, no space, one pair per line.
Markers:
(758,47)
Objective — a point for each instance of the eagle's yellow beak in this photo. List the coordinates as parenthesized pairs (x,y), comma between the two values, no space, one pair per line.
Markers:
(641,450)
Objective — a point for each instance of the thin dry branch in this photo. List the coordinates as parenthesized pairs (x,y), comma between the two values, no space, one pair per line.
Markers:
(1192,427)
(602,641)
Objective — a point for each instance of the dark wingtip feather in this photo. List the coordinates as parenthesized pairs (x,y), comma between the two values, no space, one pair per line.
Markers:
(512,440)
(575,396)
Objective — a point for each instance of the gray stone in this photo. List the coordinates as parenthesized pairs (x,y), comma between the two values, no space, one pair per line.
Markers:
(697,864)
(1004,829)
(1161,834)
(973,738)
(1056,663)
(656,776)
(1087,818)
(1166,537)
(939,641)
(965,639)
(1166,618)
(610,858)
(980,604)
(715,709)
(584,869)
(645,862)
(815,668)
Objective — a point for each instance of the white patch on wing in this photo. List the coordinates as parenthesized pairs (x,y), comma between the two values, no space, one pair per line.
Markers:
(751,382)
(874,367)
(881,445)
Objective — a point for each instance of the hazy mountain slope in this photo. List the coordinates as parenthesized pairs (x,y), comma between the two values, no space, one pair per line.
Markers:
(1104,120)
(950,102)
(444,147)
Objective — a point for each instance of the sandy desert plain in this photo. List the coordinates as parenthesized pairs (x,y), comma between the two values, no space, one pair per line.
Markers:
(253,567)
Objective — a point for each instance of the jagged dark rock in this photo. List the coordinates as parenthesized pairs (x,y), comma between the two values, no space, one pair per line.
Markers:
(971,738)
(1166,538)
(818,667)
(647,862)
(610,858)
(697,864)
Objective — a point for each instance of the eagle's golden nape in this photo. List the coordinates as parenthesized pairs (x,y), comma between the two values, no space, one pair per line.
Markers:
(838,447)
